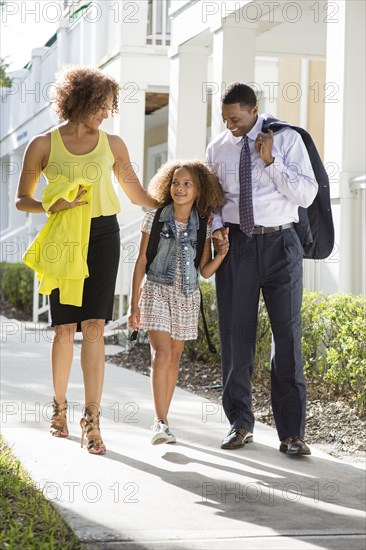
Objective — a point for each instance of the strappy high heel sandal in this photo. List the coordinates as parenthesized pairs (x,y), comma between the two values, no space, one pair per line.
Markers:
(58,426)
(88,423)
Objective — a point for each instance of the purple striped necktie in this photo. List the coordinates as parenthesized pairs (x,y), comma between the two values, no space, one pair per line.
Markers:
(245,196)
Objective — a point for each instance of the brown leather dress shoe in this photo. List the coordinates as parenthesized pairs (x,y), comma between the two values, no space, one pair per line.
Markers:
(236,438)
(294,445)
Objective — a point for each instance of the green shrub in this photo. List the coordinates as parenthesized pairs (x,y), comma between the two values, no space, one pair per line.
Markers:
(333,343)
(313,330)
(343,366)
(16,283)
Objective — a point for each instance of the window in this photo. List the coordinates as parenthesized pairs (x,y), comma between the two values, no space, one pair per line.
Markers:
(156,156)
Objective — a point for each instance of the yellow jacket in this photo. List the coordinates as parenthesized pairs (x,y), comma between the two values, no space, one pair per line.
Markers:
(59,252)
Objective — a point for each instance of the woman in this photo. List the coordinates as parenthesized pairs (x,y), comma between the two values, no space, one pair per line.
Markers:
(77,153)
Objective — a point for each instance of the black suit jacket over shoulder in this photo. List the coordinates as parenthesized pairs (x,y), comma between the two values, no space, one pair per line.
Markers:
(315,226)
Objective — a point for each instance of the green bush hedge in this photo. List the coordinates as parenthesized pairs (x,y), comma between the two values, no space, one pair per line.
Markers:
(334,347)
(16,284)
(333,343)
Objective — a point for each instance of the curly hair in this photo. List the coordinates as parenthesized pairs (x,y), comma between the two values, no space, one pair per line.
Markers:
(82,91)
(210,195)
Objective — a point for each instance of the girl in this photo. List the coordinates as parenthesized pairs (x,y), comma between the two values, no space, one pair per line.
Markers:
(76,158)
(170,299)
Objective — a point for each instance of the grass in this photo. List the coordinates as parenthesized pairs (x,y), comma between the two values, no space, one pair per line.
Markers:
(28,520)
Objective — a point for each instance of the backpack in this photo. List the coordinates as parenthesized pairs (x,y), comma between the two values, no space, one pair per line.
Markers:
(152,249)
(315,226)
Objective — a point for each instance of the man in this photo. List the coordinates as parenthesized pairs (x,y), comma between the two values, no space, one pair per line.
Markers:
(265,177)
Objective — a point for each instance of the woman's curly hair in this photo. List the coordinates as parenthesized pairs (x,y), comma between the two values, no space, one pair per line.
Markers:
(210,195)
(81,91)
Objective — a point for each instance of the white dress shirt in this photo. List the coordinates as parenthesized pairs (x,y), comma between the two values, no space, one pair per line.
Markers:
(278,189)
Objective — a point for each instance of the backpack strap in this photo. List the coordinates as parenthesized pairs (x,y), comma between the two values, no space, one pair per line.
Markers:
(210,345)
(154,238)
(201,239)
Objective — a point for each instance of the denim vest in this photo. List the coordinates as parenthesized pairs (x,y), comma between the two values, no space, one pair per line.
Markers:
(163,267)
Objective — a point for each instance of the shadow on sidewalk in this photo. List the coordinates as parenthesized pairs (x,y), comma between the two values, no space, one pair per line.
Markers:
(301,497)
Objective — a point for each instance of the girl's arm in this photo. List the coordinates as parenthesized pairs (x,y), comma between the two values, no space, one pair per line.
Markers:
(209,265)
(125,174)
(137,278)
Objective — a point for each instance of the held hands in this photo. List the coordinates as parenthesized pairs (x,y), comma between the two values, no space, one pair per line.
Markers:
(263,146)
(220,239)
(61,204)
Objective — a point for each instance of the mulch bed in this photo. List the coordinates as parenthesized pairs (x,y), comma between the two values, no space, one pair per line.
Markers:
(12,312)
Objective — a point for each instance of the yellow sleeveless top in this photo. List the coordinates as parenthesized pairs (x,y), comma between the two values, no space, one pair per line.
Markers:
(94,167)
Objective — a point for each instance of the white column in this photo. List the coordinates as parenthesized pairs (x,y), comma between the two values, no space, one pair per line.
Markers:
(132,131)
(34,93)
(187,103)
(132,20)
(13,98)
(345,142)
(234,47)
(310,267)
(99,32)
(358,187)
(62,43)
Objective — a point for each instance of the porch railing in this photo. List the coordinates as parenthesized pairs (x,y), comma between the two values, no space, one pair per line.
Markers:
(158,23)
(15,242)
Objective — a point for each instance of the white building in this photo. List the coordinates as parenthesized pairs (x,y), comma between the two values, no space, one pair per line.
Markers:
(306,59)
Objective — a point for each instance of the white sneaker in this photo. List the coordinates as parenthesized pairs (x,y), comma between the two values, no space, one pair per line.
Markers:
(160,433)
(172,438)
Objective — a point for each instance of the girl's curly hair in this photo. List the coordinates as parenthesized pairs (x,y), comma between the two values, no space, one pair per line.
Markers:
(81,91)
(210,195)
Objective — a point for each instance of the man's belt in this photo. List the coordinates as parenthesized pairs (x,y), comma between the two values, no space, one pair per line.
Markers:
(260,229)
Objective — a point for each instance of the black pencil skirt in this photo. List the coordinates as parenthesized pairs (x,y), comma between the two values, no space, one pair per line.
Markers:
(99,287)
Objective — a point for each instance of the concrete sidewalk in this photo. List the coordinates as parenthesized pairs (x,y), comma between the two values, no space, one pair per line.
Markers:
(191,495)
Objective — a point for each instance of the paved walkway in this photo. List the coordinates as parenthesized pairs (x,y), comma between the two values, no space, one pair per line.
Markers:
(191,495)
